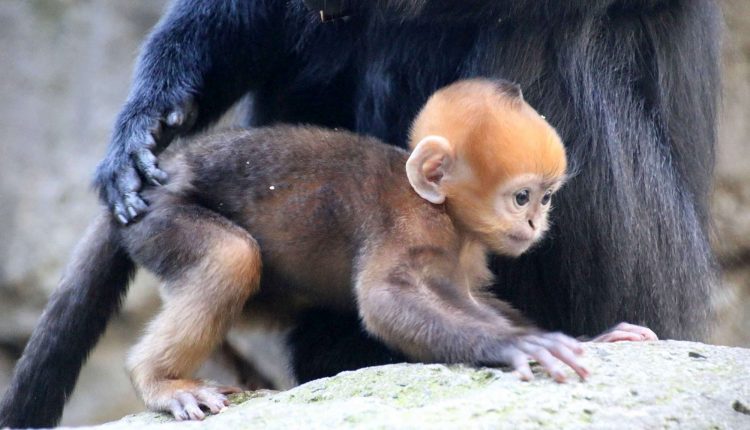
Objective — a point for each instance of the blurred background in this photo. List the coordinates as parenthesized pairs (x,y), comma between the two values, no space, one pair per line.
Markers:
(65,67)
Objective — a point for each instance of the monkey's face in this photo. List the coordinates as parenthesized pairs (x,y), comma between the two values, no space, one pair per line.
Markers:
(522,206)
(510,219)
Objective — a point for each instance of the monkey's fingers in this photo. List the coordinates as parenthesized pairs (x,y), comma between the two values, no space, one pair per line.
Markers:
(145,161)
(520,363)
(564,348)
(547,360)
(137,138)
(123,195)
(627,332)
(645,332)
(162,131)
(568,341)
(135,205)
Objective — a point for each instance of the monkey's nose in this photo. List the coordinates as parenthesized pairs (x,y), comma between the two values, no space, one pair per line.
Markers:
(531,223)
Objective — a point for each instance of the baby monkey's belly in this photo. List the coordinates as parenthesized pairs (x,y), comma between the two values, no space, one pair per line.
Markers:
(303,280)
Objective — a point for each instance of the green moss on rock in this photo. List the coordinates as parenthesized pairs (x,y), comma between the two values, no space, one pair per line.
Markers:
(632,385)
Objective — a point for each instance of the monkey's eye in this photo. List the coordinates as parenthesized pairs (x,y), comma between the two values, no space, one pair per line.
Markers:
(522,197)
(546,197)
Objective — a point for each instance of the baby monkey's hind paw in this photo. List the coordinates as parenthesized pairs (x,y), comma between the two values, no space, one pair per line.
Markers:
(189,399)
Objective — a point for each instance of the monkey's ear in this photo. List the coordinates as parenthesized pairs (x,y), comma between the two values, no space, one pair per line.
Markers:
(429,163)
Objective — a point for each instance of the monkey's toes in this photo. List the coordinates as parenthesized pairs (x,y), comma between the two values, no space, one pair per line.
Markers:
(184,406)
(212,398)
(189,400)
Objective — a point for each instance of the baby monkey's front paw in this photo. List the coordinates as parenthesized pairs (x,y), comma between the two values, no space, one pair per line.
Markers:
(189,399)
(553,351)
(625,332)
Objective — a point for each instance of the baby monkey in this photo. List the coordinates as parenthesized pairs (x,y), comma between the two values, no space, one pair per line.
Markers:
(280,219)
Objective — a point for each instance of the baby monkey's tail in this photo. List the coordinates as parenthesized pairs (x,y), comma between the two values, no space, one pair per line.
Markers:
(90,292)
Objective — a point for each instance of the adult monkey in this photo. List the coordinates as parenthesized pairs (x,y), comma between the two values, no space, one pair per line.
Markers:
(631,86)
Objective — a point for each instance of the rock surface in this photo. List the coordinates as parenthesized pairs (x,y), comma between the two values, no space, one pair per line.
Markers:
(633,385)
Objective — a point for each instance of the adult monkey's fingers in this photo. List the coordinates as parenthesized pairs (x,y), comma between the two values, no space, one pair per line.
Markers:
(145,161)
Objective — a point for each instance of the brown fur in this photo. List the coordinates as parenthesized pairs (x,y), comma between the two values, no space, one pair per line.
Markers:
(201,298)
(331,209)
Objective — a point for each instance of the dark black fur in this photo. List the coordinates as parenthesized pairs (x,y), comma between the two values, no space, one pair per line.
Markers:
(337,330)
(89,293)
(631,86)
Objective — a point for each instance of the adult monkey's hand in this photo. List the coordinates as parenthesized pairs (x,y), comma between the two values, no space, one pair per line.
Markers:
(201,58)
(140,134)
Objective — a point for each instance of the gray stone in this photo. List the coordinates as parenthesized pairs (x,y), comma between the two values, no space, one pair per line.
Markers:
(731,199)
(663,384)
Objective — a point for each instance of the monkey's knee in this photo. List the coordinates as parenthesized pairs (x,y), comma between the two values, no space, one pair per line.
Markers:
(235,266)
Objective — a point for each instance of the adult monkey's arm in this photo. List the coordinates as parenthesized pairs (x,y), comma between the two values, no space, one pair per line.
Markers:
(200,58)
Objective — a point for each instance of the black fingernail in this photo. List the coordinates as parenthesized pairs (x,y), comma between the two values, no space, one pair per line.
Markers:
(132,212)
(122,219)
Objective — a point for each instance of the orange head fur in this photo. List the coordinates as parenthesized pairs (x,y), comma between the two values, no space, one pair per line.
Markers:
(492,128)
(495,140)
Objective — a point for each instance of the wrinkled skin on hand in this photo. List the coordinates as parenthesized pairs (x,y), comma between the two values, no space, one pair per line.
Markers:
(131,159)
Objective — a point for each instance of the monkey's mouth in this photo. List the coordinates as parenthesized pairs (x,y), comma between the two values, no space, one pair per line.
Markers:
(520,239)
(515,244)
